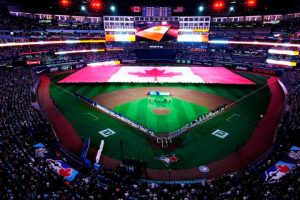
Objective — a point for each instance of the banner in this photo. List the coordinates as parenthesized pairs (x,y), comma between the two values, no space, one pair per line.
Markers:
(280,169)
(167,74)
(86,163)
(293,156)
(36,105)
(58,166)
(136,9)
(241,67)
(196,62)
(58,67)
(178,9)
(35,86)
(85,148)
(128,61)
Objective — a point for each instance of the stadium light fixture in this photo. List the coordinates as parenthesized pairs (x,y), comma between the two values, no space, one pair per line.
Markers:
(83,8)
(231,9)
(79,51)
(250,3)
(218,5)
(96,4)
(113,8)
(65,3)
(12,44)
(201,8)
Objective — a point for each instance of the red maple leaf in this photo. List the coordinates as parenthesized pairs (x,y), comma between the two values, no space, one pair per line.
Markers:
(65,172)
(283,168)
(155,73)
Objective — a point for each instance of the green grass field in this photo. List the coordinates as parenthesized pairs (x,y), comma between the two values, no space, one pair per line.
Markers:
(198,146)
(181,113)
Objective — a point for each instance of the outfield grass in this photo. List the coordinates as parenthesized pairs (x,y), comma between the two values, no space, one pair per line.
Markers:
(198,146)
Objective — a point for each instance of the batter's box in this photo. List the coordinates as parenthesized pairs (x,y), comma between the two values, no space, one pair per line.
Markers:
(220,133)
(106,132)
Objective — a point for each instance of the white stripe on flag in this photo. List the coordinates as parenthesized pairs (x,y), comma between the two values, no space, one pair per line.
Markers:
(155,74)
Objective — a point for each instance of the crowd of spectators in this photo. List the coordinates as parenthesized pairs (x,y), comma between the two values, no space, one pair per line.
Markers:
(14,36)
(210,53)
(9,22)
(257,31)
(28,24)
(25,176)
(8,55)
(219,54)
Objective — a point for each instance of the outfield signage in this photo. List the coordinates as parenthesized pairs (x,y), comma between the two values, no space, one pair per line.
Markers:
(59,67)
(242,67)
(128,61)
(262,70)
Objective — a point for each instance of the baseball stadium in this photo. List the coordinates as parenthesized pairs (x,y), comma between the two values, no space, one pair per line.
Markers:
(187,125)
(103,99)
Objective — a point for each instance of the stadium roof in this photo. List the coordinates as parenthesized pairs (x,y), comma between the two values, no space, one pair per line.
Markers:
(191,7)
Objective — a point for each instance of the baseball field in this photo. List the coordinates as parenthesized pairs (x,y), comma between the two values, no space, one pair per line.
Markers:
(213,140)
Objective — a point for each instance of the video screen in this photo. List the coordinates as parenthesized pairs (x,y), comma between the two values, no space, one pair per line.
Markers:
(156,31)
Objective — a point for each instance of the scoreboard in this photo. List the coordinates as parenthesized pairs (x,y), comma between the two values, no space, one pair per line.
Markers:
(156,28)
(156,11)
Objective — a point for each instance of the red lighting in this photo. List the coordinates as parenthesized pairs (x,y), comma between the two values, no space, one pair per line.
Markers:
(65,3)
(250,3)
(218,5)
(96,4)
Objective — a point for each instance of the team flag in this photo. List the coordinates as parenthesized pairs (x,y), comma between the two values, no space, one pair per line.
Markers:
(58,166)
(277,171)
(62,169)
(136,9)
(178,9)
(86,163)
(293,156)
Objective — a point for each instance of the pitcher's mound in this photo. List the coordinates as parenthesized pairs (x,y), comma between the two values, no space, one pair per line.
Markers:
(161,111)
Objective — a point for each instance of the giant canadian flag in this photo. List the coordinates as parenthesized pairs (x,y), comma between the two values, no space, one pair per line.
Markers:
(128,74)
(155,74)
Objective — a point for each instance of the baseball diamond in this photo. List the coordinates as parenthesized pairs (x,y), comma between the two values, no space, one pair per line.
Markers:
(213,141)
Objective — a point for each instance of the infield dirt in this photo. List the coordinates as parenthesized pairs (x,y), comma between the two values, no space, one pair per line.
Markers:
(119,97)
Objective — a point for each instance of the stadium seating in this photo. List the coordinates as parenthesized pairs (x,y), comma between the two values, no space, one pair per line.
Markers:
(24,175)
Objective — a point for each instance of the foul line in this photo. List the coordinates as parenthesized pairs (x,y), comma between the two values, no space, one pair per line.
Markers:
(251,93)
(96,118)
(240,100)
